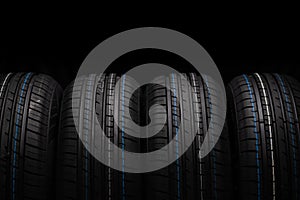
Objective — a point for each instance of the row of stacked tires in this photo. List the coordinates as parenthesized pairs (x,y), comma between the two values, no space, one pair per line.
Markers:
(42,156)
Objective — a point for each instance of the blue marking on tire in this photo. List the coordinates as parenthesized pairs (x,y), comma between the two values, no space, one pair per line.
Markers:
(14,164)
(176,137)
(292,130)
(256,137)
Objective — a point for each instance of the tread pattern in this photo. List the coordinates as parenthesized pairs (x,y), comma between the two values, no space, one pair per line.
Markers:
(80,176)
(29,107)
(188,177)
(265,136)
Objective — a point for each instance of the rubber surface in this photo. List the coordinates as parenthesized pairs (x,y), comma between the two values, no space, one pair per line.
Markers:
(188,177)
(29,114)
(264,113)
(80,175)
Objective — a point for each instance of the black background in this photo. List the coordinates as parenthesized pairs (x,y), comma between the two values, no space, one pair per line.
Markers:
(236,45)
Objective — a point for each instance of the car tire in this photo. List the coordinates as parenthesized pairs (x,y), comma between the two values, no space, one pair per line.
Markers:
(80,175)
(188,177)
(264,113)
(29,114)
